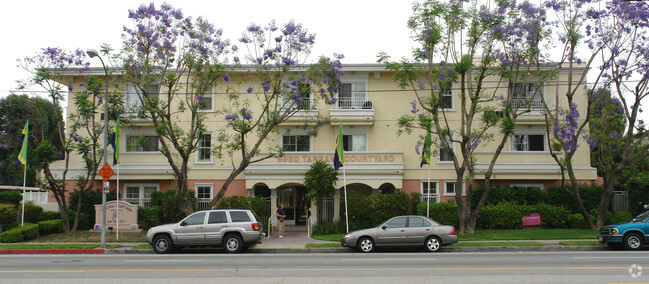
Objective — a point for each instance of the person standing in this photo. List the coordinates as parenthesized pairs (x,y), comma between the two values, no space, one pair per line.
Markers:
(281,215)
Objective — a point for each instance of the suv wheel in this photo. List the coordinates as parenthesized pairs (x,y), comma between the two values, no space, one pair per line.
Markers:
(632,241)
(232,243)
(162,244)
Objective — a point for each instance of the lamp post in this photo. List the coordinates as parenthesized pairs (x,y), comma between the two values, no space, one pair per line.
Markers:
(93,53)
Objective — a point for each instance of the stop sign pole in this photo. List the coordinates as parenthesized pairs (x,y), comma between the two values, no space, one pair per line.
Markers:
(106,172)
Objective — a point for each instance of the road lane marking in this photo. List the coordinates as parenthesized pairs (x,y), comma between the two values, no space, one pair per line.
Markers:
(386,259)
(607,257)
(163,260)
(315,269)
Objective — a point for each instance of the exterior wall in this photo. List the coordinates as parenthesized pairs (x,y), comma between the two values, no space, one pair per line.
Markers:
(388,159)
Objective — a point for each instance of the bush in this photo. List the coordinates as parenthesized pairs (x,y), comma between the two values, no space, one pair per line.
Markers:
(415,199)
(170,212)
(256,204)
(518,195)
(49,215)
(324,227)
(623,217)
(32,212)
(20,234)
(90,199)
(577,221)
(501,216)
(149,216)
(50,227)
(366,211)
(553,217)
(8,216)
(443,213)
(590,195)
(11,197)
(638,190)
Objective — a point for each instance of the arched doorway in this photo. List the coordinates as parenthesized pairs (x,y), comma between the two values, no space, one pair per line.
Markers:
(295,204)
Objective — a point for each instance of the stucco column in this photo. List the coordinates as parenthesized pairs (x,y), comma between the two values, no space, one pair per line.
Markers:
(273,205)
(251,192)
(314,212)
(336,204)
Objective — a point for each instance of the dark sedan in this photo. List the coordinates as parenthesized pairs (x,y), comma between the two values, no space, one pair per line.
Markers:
(402,231)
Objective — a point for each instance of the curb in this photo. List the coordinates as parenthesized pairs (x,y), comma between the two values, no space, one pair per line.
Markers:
(52,251)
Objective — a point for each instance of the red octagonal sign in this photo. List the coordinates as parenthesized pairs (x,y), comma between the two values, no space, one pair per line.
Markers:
(106,172)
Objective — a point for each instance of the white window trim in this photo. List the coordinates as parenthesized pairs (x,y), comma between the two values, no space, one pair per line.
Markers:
(512,147)
(452,108)
(127,135)
(141,186)
(453,194)
(541,89)
(355,94)
(359,131)
(196,154)
(211,109)
(537,185)
(138,103)
(296,132)
(450,144)
(429,195)
(210,185)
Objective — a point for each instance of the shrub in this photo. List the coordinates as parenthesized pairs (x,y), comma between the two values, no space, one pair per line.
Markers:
(623,217)
(553,217)
(638,190)
(256,204)
(577,221)
(518,195)
(49,215)
(501,216)
(443,213)
(32,212)
(11,197)
(8,216)
(590,196)
(366,211)
(149,216)
(170,212)
(415,199)
(90,199)
(50,227)
(20,234)
(324,227)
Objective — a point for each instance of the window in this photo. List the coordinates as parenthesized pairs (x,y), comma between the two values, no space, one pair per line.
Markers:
(417,222)
(447,99)
(355,142)
(139,194)
(449,188)
(527,185)
(446,154)
(353,96)
(132,100)
(399,222)
(204,148)
(239,216)
(206,102)
(528,142)
(296,143)
(429,194)
(303,90)
(217,217)
(141,143)
(196,219)
(527,94)
(203,191)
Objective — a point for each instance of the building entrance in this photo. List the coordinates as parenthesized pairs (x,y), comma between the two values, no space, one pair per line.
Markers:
(295,205)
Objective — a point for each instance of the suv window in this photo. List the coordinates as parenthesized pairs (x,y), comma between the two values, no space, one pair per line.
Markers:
(196,219)
(239,216)
(217,217)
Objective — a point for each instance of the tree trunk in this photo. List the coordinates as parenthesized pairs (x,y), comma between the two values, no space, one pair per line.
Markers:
(577,198)
(607,191)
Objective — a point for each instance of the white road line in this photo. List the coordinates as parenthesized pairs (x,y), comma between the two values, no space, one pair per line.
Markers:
(386,259)
(164,260)
(614,257)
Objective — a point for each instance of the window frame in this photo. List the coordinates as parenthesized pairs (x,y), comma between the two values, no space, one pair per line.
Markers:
(526,185)
(296,148)
(200,148)
(424,196)
(357,97)
(132,97)
(347,136)
(446,183)
(211,191)
(450,93)
(141,191)
(211,106)
(539,88)
(127,144)
(451,144)
(513,144)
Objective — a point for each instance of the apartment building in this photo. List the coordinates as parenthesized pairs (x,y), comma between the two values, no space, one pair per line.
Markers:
(377,159)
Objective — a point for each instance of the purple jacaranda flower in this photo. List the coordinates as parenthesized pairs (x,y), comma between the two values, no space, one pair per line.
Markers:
(226,77)
(250,90)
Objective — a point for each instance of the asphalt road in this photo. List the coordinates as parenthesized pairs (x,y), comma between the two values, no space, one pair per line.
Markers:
(386,267)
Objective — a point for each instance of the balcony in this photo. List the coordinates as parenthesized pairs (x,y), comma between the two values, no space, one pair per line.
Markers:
(356,111)
(533,104)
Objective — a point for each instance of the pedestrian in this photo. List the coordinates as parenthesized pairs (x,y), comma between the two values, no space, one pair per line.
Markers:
(281,215)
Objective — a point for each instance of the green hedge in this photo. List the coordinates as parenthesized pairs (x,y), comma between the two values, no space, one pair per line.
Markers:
(256,204)
(8,216)
(501,216)
(32,212)
(366,211)
(325,227)
(148,217)
(50,227)
(518,195)
(20,234)
(443,213)
(49,215)
(591,195)
(11,197)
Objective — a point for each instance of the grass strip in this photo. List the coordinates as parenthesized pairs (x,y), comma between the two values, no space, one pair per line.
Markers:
(330,245)
(53,246)
(90,237)
(143,246)
(581,243)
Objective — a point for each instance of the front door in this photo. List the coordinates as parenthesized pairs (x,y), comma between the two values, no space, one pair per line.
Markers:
(286,196)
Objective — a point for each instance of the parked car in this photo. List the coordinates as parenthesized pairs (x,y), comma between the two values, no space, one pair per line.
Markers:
(233,229)
(631,235)
(402,231)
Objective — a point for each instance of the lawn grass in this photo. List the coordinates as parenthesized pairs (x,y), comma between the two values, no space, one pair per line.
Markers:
(143,246)
(54,246)
(581,243)
(90,237)
(498,244)
(496,235)
(329,245)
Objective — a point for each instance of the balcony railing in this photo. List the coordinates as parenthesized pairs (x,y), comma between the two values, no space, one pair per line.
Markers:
(354,103)
(139,202)
(535,103)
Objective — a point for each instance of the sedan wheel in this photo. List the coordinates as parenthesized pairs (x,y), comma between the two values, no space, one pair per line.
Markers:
(366,245)
(433,244)
(162,244)
(232,243)
(632,241)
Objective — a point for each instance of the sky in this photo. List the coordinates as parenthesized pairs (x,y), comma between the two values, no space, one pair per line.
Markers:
(359,29)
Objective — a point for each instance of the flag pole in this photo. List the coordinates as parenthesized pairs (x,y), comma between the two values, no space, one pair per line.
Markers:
(428,195)
(117,235)
(345,190)
(22,218)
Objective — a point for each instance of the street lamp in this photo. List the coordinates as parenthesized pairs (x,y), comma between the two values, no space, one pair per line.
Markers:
(93,53)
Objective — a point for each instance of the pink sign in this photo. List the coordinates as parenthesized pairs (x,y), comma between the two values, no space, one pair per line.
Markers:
(532,219)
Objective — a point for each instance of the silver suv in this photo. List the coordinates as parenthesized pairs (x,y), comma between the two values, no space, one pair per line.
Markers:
(233,229)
